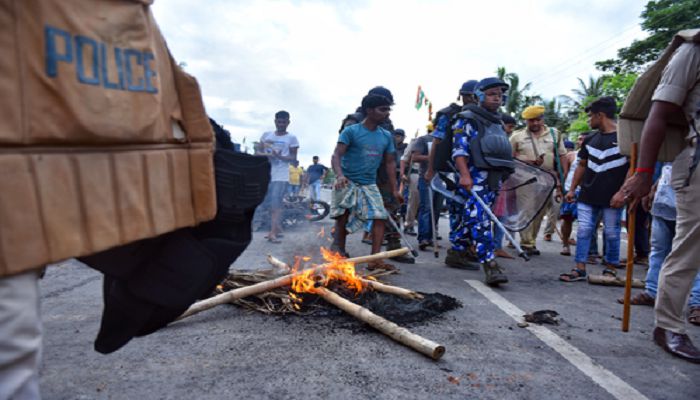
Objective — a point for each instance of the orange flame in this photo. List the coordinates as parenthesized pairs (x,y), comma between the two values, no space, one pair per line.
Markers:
(337,269)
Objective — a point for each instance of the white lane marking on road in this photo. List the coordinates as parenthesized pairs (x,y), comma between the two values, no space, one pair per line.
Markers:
(604,378)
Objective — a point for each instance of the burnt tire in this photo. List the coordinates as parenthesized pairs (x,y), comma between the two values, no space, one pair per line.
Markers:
(318,210)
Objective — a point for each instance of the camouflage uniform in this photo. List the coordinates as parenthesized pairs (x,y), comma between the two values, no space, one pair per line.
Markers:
(473,224)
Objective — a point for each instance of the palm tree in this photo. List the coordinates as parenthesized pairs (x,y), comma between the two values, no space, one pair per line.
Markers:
(592,90)
(554,115)
(518,98)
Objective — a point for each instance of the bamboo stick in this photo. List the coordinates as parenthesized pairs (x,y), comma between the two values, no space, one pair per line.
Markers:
(395,290)
(286,280)
(631,222)
(278,264)
(394,331)
(613,281)
(378,286)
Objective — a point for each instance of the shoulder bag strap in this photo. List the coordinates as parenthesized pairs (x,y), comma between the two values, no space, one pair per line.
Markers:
(557,161)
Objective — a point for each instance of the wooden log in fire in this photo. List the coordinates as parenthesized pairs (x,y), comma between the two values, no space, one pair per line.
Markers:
(395,290)
(394,331)
(266,286)
(278,264)
(379,287)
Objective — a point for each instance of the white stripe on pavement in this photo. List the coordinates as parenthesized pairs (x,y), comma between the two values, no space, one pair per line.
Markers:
(604,378)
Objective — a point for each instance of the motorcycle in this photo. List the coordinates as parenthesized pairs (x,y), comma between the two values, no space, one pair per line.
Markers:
(295,210)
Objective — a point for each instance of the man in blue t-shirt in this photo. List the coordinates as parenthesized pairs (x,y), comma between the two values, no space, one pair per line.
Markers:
(315,175)
(356,198)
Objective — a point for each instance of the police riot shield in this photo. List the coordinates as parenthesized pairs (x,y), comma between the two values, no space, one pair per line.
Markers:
(521,197)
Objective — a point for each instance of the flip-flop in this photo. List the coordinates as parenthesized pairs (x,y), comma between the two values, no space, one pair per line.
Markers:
(273,240)
(565,252)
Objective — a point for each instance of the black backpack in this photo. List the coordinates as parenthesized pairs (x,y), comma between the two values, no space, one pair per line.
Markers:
(443,150)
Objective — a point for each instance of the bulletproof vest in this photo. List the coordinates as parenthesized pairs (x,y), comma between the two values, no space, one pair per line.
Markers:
(104,139)
(490,150)
(443,150)
(638,104)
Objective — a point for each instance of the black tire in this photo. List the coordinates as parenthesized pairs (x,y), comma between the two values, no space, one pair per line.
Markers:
(318,210)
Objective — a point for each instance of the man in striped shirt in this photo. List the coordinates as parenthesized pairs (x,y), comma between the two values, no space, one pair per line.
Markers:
(601,171)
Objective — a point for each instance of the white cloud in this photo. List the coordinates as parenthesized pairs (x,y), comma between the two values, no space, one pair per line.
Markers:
(317,59)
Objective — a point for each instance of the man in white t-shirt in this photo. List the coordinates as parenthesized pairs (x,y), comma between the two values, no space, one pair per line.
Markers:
(281,148)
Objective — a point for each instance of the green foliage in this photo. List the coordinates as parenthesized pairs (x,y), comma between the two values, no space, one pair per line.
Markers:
(594,89)
(330,177)
(618,86)
(579,125)
(518,97)
(662,19)
(554,116)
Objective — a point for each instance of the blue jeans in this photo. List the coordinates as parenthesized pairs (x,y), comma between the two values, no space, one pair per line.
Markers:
(315,190)
(587,217)
(293,190)
(425,228)
(662,233)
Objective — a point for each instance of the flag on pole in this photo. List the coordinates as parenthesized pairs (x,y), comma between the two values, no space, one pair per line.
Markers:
(420,96)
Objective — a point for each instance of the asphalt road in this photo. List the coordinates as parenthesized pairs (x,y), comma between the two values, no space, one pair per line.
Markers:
(228,352)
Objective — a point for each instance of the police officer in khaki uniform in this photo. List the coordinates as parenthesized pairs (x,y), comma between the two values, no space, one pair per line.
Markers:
(535,144)
(677,92)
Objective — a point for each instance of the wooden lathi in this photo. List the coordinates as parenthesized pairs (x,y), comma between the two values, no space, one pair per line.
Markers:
(613,281)
(266,286)
(394,331)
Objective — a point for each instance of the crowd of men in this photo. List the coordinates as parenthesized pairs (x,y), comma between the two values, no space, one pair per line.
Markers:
(384,186)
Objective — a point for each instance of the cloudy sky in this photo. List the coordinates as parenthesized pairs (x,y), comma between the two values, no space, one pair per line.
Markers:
(317,58)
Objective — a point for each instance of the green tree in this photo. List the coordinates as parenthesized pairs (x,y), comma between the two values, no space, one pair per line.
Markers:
(330,177)
(518,97)
(579,125)
(618,86)
(555,115)
(593,89)
(661,19)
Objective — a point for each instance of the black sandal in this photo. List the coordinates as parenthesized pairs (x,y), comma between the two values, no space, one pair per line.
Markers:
(575,275)
(610,272)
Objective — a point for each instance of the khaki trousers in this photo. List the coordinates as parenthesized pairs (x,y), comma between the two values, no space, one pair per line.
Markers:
(528,235)
(682,265)
(552,215)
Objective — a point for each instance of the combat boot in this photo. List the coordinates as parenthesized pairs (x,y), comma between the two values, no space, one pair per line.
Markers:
(457,259)
(394,244)
(494,274)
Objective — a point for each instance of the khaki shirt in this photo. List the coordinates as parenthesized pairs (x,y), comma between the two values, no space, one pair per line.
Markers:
(680,82)
(521,141)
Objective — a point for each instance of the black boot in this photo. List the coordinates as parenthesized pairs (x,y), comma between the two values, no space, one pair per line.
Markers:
(461,260)
(494,274)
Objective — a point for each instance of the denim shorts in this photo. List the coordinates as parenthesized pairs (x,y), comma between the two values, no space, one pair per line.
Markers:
(275,193)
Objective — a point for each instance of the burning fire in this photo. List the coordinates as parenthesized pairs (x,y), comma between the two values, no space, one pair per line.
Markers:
(337,268)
